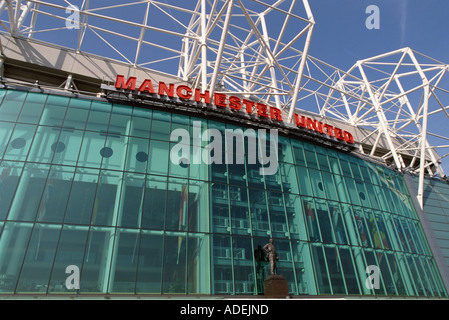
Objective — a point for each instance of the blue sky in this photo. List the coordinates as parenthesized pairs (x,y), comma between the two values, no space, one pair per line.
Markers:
(340,36)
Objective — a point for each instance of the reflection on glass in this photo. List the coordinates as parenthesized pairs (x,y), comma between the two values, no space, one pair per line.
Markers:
(82,184)
(38,263)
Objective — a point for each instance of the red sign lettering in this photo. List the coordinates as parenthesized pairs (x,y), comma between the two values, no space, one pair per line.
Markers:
(234,103)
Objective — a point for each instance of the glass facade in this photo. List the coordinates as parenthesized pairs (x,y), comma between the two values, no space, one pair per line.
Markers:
(89,183)
(436,198)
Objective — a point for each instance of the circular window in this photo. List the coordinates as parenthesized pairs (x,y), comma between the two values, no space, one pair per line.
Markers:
(106,152)
(362,196)
(320,186)
(18,143)
(184,163)
(141,156)
(58,147)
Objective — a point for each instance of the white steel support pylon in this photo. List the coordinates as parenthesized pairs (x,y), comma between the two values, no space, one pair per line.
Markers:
(397,115)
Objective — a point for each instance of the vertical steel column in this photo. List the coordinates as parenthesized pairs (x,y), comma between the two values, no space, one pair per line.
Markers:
(111,257)
(230,4)
(303,61)
(203,45)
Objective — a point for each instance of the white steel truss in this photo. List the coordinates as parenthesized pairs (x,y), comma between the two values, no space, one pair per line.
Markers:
(226,45)
(396,95)
(258,49)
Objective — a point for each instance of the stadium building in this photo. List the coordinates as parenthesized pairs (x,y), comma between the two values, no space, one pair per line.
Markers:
(89,185)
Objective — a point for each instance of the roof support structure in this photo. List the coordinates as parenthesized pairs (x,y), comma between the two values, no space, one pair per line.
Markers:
(243,46)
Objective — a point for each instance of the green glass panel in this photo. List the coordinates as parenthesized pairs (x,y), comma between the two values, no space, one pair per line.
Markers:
(97,260)
(372,260)
(243,265)
(44,145)
(361,227)
(279,226)
(325,225)
(82,196)
(119,124)
(372,196)
(377,238)
(289,178)
(298,153)
(355,168)
(198,132)
(92,149)
(67,149)
(32,108)
(198,169)
(137,155)
(342,191)
(9,179)
(385,272)
(114,152)
(349,271)
(199,206)
(122,278)
(198,264)
(177,213)
(77,114)
(70,252)
(20,142)
(317,184)
(153,214)
(99,115)
(56,193)
(321,273)
(223,279)
(334,163)
(353,192)
(175,263)
(310,154)
(158,157)
(414,273)
(305,187)
(335,270)
(141,119)
(219,197)
(35,274)
(304,268)
(29,192)
(322,159)
(329,186)
(311,219)
(6,129)
(131,201)
(179,168)
(259,212)
(364,171)
(295,217)
(363,194)
(106,209)
(149,270)
(284,265)
(240,218)
(338,223)
(285,150)
(397,275)
(345,165)
(160,126)
(13,243)
(11,105)
(54,111)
